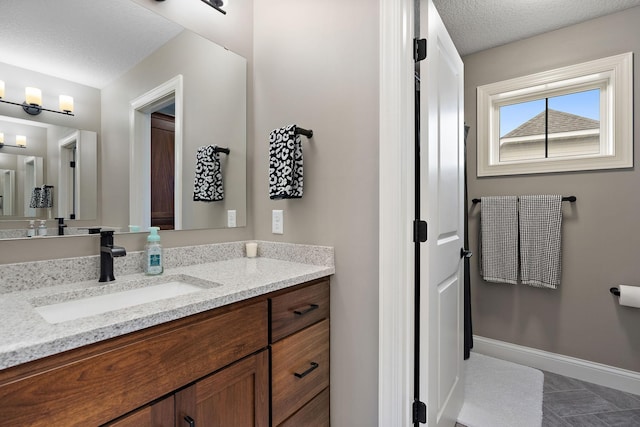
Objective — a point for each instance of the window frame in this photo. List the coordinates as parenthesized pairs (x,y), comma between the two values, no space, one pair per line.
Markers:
(612,75)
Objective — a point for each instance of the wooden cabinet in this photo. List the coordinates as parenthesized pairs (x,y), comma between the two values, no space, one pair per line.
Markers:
(158,414)
(300,357)
(95,384)
(212,369)
(236,396)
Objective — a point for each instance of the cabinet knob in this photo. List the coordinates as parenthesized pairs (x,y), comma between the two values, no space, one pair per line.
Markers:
(307,310)
(190,421)
(314,365)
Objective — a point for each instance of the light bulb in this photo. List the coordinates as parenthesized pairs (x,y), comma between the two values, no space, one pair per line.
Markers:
(21,141)
(33,96)
(66,103)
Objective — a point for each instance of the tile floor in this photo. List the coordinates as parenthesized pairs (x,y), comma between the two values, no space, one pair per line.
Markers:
(567,402)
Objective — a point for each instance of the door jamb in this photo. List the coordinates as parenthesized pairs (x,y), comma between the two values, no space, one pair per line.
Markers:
(140,150)
(396,210)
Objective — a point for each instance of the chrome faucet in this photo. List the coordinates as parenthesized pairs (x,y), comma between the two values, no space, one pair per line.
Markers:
(107,252)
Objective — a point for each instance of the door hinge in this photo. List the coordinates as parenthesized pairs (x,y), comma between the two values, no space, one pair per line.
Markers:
(419,49)
(419,231)
(419,412)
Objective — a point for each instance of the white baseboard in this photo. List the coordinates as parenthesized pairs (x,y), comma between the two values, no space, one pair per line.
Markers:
(597,373)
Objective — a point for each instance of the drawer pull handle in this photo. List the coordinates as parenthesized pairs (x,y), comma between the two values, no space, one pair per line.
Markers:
(308,310)
(314,365)
(190,421)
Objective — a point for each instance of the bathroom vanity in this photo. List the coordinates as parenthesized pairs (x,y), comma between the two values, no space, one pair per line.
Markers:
(253,350)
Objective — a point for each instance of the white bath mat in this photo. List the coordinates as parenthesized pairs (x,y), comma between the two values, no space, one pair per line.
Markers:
(501,394)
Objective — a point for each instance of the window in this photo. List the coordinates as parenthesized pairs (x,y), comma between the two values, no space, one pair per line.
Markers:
(573,118)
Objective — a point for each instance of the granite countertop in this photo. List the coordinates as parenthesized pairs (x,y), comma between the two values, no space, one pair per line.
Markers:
(26,336)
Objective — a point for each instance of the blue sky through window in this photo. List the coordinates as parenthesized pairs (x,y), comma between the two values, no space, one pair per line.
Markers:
(585,104)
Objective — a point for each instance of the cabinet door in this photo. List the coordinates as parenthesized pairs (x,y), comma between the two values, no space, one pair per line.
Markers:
(236,396)
(159,414)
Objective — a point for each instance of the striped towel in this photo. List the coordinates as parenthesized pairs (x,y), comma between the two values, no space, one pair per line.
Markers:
(499,239)
(540,239)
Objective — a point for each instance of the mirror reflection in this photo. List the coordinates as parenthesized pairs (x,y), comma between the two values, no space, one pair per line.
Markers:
(106,63)
(49,172)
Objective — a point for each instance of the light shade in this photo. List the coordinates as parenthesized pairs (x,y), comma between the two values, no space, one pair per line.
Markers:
(1,88)
(1,138)
(33,96)
(21,140)
(66,103)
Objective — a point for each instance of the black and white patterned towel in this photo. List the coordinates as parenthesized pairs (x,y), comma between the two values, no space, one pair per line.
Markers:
(540,240)
(208,185)
(499,239)
(285,164)
(41,197)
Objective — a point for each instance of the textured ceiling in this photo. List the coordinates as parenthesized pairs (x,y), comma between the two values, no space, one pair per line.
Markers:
(87,41)
(476,25)
(92,42)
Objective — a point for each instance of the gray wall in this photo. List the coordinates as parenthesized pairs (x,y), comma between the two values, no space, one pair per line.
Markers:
(311,68)
(214,113)
(316,65)
(600,232)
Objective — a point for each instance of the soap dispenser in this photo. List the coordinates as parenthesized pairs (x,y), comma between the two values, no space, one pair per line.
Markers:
(153,253)
(42,229)
(31,229)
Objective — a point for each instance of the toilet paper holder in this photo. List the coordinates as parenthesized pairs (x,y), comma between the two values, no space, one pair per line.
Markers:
(615,291)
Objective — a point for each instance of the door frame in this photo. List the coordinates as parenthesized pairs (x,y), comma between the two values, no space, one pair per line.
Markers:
(396,210)
(140,110)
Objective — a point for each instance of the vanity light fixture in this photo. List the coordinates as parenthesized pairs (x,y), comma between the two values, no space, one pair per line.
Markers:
(217,5)
(21,141)
(33,102)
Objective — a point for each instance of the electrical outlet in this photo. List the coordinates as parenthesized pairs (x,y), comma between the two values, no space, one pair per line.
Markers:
(277,222)
(231,218)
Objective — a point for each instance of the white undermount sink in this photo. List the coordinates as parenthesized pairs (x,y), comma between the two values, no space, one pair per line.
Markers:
(98,304)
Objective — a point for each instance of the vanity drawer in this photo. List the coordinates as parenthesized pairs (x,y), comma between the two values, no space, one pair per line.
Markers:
(300,369)
(296,310)
(313,414)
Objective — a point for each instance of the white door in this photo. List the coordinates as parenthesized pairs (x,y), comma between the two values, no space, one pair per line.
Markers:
(441,205)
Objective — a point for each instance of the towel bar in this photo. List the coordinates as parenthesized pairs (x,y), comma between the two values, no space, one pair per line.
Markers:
(564,199)
(305,132)
(221,150)
(615,291)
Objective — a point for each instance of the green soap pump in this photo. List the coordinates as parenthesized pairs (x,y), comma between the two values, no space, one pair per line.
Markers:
(153,253)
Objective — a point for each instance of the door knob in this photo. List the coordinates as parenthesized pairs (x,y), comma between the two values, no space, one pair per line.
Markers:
(465,253)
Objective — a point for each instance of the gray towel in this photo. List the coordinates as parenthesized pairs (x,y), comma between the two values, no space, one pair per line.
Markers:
(499,239)
(540,240)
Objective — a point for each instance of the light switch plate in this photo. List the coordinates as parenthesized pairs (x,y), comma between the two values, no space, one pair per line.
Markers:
(231,218)
(277,222)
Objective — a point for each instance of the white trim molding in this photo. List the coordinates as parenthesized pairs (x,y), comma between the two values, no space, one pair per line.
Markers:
(585,370)
(396,189)
(612,76)
(140,109)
